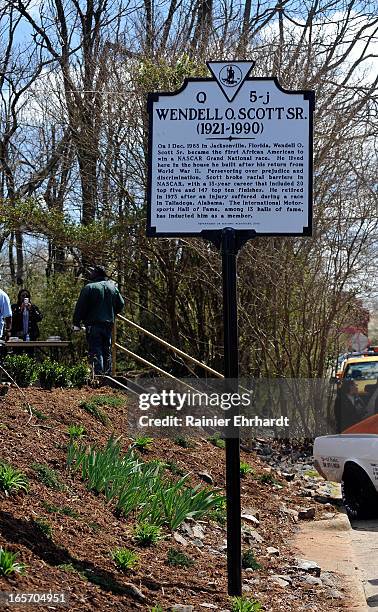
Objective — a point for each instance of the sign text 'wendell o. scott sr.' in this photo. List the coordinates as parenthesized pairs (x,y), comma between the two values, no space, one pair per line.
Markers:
(230,152)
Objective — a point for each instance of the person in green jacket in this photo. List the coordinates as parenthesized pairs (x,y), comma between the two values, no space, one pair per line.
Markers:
(97,306)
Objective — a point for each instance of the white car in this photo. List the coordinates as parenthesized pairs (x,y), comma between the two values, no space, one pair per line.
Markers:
(351,459)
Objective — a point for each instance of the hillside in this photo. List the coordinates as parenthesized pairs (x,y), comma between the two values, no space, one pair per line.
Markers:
(64,533)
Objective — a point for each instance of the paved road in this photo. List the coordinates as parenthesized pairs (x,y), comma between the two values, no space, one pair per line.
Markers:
(364,536)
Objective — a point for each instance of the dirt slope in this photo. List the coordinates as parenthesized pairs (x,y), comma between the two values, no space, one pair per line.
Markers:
(76,558)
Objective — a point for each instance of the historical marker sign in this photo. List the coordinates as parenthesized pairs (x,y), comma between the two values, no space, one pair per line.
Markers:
(231,151)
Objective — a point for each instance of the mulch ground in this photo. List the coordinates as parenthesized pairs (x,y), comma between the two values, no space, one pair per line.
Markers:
(77,560)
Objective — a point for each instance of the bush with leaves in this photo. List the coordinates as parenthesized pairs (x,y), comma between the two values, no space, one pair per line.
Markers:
(8,563)
(146,534)
(125,559)
(178,558)
(53,374)
(22,368)
(11,479)
(243,604)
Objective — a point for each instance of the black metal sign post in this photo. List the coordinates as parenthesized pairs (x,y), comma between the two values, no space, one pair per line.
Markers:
(230,158)
(231,372)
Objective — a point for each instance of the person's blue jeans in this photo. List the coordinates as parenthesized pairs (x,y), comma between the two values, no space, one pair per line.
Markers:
(99,338)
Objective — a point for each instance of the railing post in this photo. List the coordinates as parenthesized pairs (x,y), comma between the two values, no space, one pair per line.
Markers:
(114,348)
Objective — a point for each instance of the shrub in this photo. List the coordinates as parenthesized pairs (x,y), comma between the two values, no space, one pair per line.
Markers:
(76,431)
(219,513)
(157,608)
(22,369)
(52,374)
(175,468)
(146,534)
(92,408)
(8,564)
(38,414)
(12,480)
(79,374)
(142,443)
(44,527)
(243,604)
(217,441)
(268,479)
(249,560)
(125,559)
(48,476)
(183,442)
(176,557)
(245,469)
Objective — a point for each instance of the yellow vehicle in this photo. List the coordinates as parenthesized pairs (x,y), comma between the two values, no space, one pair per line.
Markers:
(360,367)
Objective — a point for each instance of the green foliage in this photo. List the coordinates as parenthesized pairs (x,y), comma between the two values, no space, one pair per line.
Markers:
(139,487)
(93,409)
(142,443)
(249,560)
(243,604)
(79,375)
(11,479)
(21,368)
(53,374)
(63,510)
(76,431)
(176,557)
(160,74)
(219,513)
(48,476)
(217,441)
(175,468)
(183,442)
(245,469)
(157,608)
(8,563)
(113,401)
(37,413)
(268,479)
(44,527)
(125,559)
(146,534)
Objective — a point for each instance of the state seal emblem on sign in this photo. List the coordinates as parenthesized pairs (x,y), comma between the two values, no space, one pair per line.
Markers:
(230,75)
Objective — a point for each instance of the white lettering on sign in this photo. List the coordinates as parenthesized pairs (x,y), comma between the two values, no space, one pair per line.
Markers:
(244,164)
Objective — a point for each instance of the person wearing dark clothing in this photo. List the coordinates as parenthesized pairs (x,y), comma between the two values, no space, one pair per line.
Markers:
(348,408)
(98,304)
(25,317)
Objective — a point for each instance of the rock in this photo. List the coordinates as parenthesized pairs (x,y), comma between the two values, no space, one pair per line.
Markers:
(272,552)
(329,579)
(287,476)
(312,580)
(182,608)
(306,514)
(290,512)
(187,529)
(310,567)
(328,515)
(334,594)
(246,588)
(253,534)
(280,581)
(197,542)
(285,577)
(206,477)
(249,570)
(209,605)
(198,532)
(250,518)
(134,591)
(252,511)
(179,539)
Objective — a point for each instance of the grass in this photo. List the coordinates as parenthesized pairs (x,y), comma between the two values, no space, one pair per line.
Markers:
(245,469)
(48,476)
(125,559)
(76,431)
(113,401)
(142,443)
(177,558)
(94,410)
(44,527)
(37,413)
(243,604)
(8,563)
(63,510)
(249,560)
(217,441)
(157,608)
(268,479)
(183,442)
(139,488)
(146,534)
(175,468)
(11,479)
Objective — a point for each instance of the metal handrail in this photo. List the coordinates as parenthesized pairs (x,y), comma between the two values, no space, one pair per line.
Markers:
(172,348)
